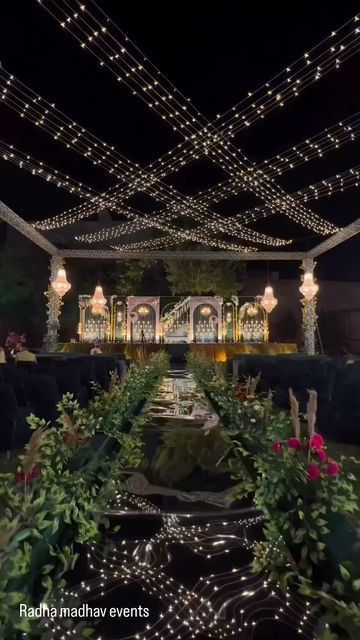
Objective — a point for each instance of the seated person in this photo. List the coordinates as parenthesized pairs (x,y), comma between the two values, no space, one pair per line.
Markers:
(12,340)
(96,351)
(24,355)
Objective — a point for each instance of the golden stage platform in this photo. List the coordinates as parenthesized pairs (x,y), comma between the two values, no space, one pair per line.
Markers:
(219,351)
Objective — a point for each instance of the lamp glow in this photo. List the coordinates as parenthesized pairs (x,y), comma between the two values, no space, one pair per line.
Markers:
(309,288)
(268,301)
(98,301)
(60,284)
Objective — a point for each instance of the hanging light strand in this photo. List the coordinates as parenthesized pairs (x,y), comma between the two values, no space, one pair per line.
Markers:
(79,19)
(332,138)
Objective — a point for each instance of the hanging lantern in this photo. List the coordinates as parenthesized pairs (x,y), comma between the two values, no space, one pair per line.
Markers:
(268,301)
(60,284)
(143,311)
(205,312)
(309,288)
(251,310)
(98,301)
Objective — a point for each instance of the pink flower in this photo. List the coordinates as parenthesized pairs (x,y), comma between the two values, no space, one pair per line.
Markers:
(294,443)
(317,441)
(333,468)
(313,471)
(276,447)
(321,455)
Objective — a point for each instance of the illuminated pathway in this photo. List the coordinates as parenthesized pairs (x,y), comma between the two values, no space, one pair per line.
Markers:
(185,562)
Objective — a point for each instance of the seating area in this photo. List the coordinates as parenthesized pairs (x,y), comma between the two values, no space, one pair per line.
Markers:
(27,387)
(336,380)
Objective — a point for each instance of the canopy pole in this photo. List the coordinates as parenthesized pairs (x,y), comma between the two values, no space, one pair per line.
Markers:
(54,304)
(309,313)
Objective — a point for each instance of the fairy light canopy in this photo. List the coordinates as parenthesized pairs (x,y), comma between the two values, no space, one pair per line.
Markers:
(247,208)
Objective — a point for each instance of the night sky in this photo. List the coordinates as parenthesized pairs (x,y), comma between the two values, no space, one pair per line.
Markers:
(215,54)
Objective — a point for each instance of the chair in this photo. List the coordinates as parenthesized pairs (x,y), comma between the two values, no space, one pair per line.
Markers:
(8,416)
(27,366)
(43,395)
(68,379)
(17,379)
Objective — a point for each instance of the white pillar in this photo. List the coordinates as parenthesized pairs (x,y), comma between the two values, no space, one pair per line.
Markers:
(53,307)
(308,313)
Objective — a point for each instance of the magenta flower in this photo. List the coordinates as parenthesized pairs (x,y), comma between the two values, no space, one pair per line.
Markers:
(294,443)
(277,447)
(317,441)
(313,471)
(321,455)
(333,468)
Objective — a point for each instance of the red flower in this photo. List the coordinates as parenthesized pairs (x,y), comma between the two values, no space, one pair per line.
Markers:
(321,455)
(313,471)
(333,468)
(276,447)
(317,441)
(21,478)
(294,443)
(36,472)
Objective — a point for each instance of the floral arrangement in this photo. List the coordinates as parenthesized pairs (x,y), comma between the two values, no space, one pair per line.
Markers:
(310,449)
(304,494)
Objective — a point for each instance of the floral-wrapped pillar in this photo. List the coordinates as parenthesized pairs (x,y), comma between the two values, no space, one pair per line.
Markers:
(308,312)
(53,308)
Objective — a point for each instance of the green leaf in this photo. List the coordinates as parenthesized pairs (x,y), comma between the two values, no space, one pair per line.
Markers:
(299,535)
(356,585)
(47,568)
(344,572)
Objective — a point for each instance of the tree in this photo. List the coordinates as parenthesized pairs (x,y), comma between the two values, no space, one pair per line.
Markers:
(20,300)
(127,276)
(200,277)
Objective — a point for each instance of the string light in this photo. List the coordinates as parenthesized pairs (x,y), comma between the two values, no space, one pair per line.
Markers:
(316,147)
(332,138)
(70,133)
(327,187)
(287,204)
(223,604)
(119,60)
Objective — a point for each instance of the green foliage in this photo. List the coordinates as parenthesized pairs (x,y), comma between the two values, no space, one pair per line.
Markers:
(127,276)
(199,277)
(72,490)
(298,511)
(19,298)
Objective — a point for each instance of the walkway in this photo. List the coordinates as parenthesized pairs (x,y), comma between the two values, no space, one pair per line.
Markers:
(179,556)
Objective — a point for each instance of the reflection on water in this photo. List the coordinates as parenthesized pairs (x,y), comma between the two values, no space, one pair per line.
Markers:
(185,544)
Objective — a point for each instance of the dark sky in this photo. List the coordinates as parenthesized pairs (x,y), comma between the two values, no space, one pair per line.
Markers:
(215,53)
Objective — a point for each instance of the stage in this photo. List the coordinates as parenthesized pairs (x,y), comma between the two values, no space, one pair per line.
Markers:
(218,351)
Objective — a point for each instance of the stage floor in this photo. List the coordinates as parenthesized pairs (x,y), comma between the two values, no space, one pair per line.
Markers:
(220,352)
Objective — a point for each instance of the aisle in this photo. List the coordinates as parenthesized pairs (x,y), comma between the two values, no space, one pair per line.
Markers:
(178,555)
